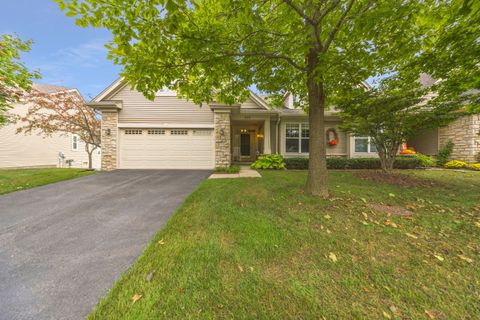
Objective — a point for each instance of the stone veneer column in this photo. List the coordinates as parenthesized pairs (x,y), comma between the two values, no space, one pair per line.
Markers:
(222,138)
(109,141)
(465,134)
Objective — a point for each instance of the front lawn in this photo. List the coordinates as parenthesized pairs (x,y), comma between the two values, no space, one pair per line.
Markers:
(19,179)
(261,249)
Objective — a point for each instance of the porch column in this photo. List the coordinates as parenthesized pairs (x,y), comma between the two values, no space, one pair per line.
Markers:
(222,138)
(267,147)
(109,136)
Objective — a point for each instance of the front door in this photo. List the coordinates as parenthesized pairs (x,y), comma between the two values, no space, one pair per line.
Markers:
(245,145)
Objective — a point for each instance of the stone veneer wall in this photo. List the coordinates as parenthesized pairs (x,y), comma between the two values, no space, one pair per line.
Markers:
(109,142)
(465,134)
(222,141)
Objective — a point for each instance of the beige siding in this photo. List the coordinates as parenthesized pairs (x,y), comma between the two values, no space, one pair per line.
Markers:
(339,150)
(425,142)
(249,104)
(33,150)
(163,110)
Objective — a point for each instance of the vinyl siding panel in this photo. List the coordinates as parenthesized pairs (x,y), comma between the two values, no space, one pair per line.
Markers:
(163,110)
(36,150)
(249,104)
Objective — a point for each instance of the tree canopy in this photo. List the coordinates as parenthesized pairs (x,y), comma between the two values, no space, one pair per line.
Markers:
(15,77)
(394,111)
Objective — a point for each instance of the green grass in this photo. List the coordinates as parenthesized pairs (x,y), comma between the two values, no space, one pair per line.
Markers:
(20,179)
(231,169)
(261,249)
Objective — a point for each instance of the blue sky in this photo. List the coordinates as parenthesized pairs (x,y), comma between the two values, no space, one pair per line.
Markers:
(64,53)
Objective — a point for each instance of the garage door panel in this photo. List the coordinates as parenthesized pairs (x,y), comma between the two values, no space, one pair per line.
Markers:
(161,149)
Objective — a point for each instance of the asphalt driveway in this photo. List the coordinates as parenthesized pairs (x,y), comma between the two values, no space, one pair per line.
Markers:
(63,245)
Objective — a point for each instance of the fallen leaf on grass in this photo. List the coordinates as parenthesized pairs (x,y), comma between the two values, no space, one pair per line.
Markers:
(161,242)
(251,269)
(391,195)
(136,297)
(477,224)
(332,257)
(430,314)
(240,268)
(411,235)
(364,200)
(327,216)
(149,276)
(365,215)
(439,257)
(390,223)
(461,256)
(386,315)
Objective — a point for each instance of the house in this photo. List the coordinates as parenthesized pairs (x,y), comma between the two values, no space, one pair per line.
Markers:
(173,133)
(37,150)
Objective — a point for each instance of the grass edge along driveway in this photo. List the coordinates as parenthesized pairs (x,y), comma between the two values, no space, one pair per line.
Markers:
(20,179)
(245,248)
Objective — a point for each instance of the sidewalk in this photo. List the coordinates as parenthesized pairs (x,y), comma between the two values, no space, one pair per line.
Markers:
(245,172)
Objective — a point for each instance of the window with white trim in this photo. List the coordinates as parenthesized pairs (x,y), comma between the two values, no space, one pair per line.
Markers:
(179,132)
(364,145)
(74,142)
(296,137)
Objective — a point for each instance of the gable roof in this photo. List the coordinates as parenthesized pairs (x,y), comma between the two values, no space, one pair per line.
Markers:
(119,83)
(48,88)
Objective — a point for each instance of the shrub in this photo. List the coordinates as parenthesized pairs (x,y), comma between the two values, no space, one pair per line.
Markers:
(425,161)
(444,153)
(455,164)
(231,169)
(474,166)
(354,163)
(269,161)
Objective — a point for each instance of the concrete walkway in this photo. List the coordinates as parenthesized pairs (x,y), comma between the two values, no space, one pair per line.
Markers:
(245,172)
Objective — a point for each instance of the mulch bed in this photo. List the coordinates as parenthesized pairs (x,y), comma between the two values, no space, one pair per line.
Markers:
(392,178)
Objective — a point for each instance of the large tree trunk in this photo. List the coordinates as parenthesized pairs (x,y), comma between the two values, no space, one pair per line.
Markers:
(317,179)
(387,155)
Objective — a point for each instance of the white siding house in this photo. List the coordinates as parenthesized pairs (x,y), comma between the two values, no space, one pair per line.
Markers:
(37,150)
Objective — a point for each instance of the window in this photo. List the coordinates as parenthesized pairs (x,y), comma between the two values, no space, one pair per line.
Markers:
(155,131)
(74,142)
(364,145)
(179,132)
(296,137)
(133,131)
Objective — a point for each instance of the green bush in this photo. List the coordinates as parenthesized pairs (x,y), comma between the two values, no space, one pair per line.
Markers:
(425,161)
(354,163)
(455,164)
(269,161)
(231,169)
(474,166)
(444,153)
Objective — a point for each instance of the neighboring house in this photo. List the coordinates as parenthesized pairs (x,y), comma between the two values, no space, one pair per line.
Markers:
(37,150)
(173,133)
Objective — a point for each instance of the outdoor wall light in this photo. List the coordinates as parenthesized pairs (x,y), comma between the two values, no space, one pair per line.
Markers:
(222,131)
(108,132)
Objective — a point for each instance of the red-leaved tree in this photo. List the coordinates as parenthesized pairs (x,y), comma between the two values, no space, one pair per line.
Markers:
(63,112)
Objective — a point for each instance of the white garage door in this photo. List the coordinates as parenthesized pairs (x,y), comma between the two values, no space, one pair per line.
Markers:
(166,149)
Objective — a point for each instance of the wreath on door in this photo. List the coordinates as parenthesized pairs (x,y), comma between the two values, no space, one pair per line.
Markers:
(332,137)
